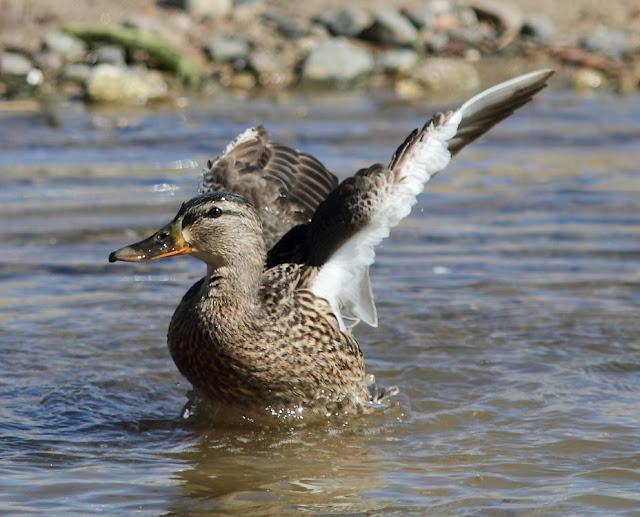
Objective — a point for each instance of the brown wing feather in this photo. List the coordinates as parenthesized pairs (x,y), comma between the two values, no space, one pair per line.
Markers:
(286,186)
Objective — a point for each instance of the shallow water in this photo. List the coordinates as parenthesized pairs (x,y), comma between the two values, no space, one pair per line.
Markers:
(508,307)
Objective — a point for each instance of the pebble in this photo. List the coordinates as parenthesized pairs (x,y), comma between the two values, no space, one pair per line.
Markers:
(586,79)
(48,61)
(538,28)
(285,25)
(273,70)
(109,54)
(397,60)
(392,28)
(450,75)
(126,85)
(227,49)
(606,41)
(76,73)
(201,8)
(337,60)
(346,21)
(13,64)
(67,46)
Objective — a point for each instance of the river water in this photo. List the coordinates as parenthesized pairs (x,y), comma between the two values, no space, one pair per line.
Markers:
(509,318)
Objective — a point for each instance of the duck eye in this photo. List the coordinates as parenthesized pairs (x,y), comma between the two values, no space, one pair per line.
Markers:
(215,212)
(161,236)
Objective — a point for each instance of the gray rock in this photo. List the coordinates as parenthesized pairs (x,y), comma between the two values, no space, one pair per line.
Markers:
(13,64)
(285,25)
(391,27)
(606,41)
(538,28)
(397,60)
(48,61)
(109,54)
(225,49)
(69,47)
(436,42)
(273,69)
(347,21)
(121,84)
(424,16)
(200,8)
(337,60)
(76,73)
(447,75)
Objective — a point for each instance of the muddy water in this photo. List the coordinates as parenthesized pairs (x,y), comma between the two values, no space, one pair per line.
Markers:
(508,309)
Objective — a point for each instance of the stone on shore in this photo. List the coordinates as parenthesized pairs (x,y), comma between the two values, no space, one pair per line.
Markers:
(538,28)
(125,85)
(227,49)
(13,64)
(447,75)
(345,21)
(397,60)
(67,46)
(392,28)
(338,61)
(202,8)
(606,41)
(109,54)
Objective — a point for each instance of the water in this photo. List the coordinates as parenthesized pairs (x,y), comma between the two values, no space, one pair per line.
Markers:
(508,309)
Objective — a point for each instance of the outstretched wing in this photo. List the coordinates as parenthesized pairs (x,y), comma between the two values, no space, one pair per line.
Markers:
(284,185)
(347,226)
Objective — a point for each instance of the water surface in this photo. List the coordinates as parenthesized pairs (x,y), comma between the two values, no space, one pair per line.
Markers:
(508,307)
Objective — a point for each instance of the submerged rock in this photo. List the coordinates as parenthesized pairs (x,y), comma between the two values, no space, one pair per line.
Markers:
(337,60)
(446,75)
(120,84)
(346,21)
(391,27)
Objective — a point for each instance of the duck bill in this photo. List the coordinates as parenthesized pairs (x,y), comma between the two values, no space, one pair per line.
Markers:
(166,242)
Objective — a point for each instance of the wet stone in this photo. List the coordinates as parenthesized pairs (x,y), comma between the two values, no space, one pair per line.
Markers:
(110,54)
(337,60)
(67,46)
(391,27)
(347,21)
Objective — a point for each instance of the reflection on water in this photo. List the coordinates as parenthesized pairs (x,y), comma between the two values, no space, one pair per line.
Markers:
(508,318)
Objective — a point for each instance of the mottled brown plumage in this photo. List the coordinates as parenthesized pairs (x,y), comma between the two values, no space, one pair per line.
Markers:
(268,327)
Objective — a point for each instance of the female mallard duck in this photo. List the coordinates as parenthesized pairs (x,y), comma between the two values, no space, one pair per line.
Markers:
(288,251)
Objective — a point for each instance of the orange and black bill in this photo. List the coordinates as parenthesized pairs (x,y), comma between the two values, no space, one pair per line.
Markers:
(166,242)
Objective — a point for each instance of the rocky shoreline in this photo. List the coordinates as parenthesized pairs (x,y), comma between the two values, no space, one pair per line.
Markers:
(209,47)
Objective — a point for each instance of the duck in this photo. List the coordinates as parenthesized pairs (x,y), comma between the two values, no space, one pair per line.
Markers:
(287,250)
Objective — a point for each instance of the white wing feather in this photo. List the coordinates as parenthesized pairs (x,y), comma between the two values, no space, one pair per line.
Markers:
(343,280)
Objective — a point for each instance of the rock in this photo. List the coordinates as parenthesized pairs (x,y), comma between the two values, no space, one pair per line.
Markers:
(435,42)
(397,60)
(109,54)
(447,75)
(587,79)
(285,25)
(538,28)
(273,69)
(467,36)
(13,64)
(76,73)
(69,47)
(48,61)
(227,49)
(337,60)
(200,8)
(606,41)
(347,21)
(425,16)
(121,84)
(391,27)
(507,17)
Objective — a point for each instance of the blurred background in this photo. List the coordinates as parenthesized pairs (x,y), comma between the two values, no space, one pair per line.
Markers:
(508,300)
